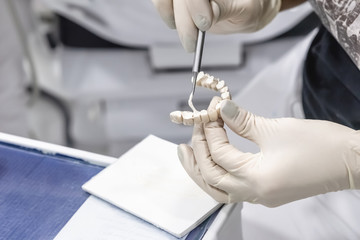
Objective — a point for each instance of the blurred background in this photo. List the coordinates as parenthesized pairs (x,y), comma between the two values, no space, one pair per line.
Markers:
(101,75)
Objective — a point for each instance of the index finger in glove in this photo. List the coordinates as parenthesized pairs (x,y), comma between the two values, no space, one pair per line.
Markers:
(185,26)
(211,172)
(201,13)
(223,153)
(166,11)
(190,165)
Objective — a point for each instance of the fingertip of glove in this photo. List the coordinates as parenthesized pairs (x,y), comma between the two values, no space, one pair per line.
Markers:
(170,22)
(228,109)
(203,22)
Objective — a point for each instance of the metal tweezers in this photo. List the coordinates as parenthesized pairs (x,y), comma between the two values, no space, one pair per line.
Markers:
(197,58)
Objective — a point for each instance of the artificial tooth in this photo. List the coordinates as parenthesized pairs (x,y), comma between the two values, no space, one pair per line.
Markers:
(209,81)
(197,117)
(203,81)
(226,95)
(218,106)
(200,75)
(220,85)
(176,117)
(200,78)
(213,115)
(224,89)
(214,83)
(204,116)
(188,118)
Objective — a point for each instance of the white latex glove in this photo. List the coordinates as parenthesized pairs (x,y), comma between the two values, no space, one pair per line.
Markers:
(298,158)
(216,16)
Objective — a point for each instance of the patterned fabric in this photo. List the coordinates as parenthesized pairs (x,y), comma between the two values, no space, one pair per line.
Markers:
(341,18)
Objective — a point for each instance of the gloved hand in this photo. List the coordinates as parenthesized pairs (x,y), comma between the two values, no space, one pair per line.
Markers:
(217,16)
(297,159)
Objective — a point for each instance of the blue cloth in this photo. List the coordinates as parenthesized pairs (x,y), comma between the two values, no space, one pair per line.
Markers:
(39,193)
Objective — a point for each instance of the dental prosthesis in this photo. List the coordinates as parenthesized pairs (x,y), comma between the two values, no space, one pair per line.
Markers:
(190,118)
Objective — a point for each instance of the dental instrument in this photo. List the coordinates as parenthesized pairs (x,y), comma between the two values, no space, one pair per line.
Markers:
(196,65)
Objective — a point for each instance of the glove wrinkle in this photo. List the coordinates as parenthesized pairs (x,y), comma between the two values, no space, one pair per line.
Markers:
(239,120)
(216,12)
(297,159)
(189,163)
(354,166)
